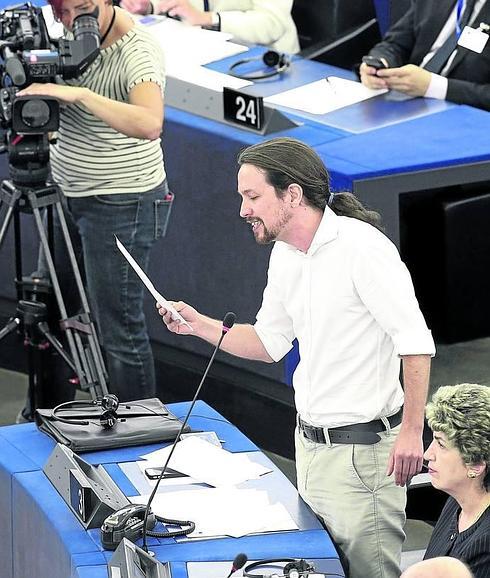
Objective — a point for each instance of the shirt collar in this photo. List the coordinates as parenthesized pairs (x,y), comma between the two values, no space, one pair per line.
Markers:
(327,231)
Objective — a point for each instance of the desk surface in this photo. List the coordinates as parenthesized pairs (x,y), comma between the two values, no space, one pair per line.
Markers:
(33,512)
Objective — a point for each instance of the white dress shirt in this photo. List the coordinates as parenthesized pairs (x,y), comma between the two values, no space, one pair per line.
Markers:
(350,303)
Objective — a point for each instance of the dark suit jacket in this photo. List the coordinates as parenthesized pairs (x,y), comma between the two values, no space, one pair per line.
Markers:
(410,39)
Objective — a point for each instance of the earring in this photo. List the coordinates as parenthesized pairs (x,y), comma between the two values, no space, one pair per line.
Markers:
(472,474)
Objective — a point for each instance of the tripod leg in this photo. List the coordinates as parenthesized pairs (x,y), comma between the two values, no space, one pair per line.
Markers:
(5,224)
(84,367)
(93,343)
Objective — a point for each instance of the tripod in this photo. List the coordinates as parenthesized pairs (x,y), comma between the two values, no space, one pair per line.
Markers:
(32,315)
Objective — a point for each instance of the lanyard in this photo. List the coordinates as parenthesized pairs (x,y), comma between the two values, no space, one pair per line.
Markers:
(206,5)
(459,14)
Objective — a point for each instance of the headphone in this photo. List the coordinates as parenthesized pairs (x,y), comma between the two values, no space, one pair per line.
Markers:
(279,63)
(108,411)
(293,569)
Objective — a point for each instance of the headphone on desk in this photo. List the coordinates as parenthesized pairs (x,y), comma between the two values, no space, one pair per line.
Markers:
(275,61)
(294,568)
(108,411)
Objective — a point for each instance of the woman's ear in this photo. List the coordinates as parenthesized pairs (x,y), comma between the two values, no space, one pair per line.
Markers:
(475,470)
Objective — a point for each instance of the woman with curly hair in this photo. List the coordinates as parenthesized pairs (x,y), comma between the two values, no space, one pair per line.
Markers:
(458,461)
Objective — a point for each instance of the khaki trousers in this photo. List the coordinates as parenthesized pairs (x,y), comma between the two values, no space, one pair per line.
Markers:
(362,508)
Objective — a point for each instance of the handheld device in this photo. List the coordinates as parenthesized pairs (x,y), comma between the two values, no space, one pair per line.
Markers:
(154,473)
(374,62)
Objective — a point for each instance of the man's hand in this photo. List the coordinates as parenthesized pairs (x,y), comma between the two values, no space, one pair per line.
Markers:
(409,79)
(406,456)
(369,77)
(136,6)
(67,94)
(183,9)
(174,325)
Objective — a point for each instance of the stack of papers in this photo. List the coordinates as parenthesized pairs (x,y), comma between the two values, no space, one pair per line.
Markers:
(323,96)
(222,511)
(187,48)
(207,463)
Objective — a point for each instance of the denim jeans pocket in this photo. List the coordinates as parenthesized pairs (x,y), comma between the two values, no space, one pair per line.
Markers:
(162,210)
(119,199)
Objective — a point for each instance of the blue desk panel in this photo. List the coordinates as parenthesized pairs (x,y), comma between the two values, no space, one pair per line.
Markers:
(456,135)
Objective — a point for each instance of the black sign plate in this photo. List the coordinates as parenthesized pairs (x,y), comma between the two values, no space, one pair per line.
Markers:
(243,109)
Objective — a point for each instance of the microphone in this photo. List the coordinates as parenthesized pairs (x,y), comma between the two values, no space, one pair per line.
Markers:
(227,324)
(239,561)
(14,67)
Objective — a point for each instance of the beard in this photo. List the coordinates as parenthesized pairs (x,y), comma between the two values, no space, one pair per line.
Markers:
(269,235)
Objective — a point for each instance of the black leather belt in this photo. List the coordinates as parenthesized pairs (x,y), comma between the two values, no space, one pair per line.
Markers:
(357,433)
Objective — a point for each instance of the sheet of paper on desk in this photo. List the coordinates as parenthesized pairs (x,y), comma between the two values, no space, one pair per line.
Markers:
(323,96)
(148,284)
(222,511)
(135,472)
(205,77)
(189,44)
(204,461)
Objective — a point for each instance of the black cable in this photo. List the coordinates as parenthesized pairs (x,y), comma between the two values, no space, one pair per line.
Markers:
(181,532)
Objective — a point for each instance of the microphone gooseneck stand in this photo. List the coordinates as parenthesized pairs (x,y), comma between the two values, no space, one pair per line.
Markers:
(228,323)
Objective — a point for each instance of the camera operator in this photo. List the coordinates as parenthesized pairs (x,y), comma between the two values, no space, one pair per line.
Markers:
(108,163)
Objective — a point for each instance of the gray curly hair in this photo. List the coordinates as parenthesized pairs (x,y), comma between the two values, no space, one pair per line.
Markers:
(462,413)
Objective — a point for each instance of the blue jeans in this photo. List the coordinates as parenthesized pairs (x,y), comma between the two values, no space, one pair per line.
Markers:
(114,292)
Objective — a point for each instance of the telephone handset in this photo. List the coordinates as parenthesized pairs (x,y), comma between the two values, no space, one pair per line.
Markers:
(125,523)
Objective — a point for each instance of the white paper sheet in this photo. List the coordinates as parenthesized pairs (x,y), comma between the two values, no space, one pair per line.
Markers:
(205,462)
(187,47)
(149,285)
(222,511)
(205,77)
(323,96)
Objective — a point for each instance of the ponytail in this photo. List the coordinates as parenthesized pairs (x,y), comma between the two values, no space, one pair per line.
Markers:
(348,205)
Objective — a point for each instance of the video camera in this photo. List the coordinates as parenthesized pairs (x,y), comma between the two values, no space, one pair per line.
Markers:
(29,55)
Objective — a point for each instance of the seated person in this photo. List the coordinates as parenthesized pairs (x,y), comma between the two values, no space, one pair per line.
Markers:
(442,567)
(458,463)
(422,57)
(266,22)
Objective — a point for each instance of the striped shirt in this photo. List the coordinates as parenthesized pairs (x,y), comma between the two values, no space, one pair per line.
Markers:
(472,546)
(92,158)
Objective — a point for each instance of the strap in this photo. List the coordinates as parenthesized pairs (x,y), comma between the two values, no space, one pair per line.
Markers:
(438,61)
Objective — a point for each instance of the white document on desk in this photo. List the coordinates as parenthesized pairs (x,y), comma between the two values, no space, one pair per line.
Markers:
(184,44)
(222,511)
(205,462)
(323,96)
(205,77)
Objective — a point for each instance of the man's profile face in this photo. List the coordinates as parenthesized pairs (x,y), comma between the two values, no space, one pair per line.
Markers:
(267,214)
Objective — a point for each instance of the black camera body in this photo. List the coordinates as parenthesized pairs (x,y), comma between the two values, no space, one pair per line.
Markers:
(28,56)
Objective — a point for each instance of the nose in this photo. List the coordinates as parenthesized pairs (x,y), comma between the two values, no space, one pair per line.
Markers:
(244,209)
(67,21)
(429,453)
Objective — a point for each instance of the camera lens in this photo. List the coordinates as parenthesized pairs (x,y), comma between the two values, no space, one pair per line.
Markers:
(86,25)
(35,113)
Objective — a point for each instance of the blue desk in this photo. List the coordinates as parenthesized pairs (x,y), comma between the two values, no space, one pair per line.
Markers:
(40,536)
